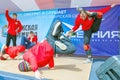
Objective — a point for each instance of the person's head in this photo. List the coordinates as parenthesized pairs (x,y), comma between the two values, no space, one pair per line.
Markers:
(83,14)
(24,66)
(32,33)
(14,16)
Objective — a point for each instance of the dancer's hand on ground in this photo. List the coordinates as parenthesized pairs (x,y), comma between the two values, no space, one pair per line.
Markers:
(38,75)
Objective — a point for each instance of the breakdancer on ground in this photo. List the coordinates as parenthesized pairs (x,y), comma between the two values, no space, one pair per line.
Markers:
(14,51)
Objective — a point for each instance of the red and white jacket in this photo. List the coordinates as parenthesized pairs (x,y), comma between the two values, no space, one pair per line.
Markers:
(14,26)
(14,51)
(34,39)
(87,24)
(40,55)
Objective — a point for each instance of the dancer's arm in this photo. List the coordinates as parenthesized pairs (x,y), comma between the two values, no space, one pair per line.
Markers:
(20,27)
(76,26)
(77,23)
(51,63)
(7,15)
(36,39)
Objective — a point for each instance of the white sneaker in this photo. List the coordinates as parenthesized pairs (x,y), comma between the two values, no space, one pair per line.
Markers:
(60,45)
(89,60)
(57,25)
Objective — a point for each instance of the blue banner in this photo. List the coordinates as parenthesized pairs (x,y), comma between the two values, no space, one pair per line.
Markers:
(105,42)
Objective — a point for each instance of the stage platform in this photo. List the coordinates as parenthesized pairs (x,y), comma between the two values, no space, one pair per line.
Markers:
(67,68)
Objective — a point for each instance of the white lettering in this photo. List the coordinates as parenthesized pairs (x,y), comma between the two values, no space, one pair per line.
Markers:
(100,34)
(97,34)
(106,34)
(114,34)
(80,34)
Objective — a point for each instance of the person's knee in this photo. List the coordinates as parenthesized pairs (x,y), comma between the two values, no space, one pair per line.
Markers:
(86,40)
(99,14)
(86,47)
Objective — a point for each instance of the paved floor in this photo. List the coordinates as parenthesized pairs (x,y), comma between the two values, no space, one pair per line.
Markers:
(67,68)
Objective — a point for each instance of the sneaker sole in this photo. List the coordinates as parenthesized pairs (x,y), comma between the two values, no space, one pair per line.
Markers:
(61,45)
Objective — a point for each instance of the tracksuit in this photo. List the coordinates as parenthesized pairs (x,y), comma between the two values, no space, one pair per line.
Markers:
(14,27)
(90,25)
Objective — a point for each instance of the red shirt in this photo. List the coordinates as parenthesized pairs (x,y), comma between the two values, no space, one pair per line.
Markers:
(87,23)
(14,50)
(34,39)
(40,55)
(14,26)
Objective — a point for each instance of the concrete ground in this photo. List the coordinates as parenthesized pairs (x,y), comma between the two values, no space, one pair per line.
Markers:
(67,68)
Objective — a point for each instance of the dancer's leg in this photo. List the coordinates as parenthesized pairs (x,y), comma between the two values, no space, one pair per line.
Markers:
(31,44)
(87,37)
(24,41)
(14,38)
(8,39)
(96,25)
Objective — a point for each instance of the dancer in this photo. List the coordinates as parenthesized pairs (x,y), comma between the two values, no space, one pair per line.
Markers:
(12,52)
(36,57)
(14,27)
(30,41)
(90,21)
(58,39)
